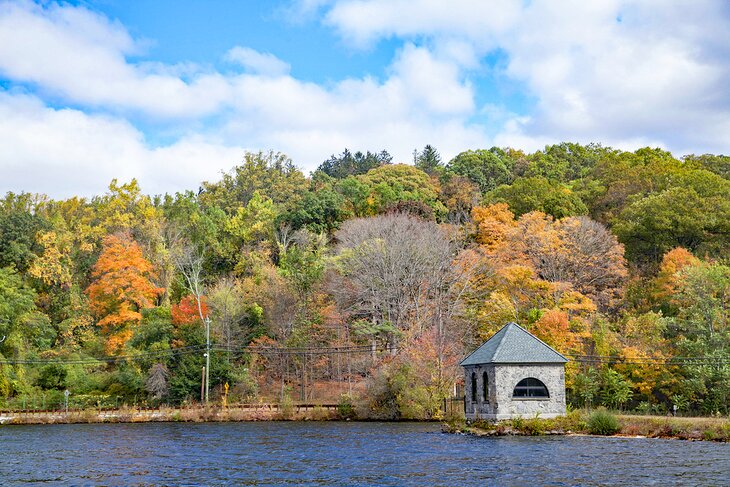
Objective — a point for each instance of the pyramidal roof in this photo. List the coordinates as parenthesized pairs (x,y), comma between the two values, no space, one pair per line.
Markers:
(513,344)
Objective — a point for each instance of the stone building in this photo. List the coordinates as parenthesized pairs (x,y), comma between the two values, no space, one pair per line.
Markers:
(514,374)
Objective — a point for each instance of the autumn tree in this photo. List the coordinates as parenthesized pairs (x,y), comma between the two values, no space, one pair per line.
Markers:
(121,287)
(577,250)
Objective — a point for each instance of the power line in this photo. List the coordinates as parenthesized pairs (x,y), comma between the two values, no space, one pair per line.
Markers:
(108,359)
(612,359)
(349,349)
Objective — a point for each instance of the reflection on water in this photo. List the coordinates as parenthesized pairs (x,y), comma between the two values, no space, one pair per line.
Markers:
(341,454)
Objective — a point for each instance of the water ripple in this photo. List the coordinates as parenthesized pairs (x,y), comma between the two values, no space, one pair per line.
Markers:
(348,453)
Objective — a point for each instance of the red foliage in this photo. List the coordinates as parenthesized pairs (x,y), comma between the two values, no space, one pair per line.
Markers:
(186,311)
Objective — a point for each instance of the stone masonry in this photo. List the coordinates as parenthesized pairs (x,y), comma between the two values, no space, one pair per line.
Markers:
(511,355)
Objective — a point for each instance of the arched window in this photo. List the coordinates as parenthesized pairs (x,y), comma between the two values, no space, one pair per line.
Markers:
(485,387)
(530,387)
(473,387)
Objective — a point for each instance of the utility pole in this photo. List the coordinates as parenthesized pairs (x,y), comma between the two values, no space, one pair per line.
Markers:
(207,358)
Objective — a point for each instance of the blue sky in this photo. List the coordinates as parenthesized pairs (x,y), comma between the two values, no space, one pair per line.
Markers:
(174,92)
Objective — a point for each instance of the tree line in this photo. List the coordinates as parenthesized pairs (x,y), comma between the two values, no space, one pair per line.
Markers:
(371,280)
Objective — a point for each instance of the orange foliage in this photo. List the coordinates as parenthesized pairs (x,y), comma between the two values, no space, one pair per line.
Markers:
(674,261)
(186,312)
(554,328)
(121,288)
(493,222)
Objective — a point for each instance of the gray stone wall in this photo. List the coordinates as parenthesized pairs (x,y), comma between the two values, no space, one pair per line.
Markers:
(502,379)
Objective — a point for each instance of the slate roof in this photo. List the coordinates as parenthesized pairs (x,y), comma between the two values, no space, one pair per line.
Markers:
(512,344)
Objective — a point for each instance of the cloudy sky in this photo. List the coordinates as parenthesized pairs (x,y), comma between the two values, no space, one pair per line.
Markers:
(172,92)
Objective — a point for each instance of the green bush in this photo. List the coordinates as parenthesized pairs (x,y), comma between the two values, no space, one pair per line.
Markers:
(535,426)
(286,405)
(345,408)
(601,422)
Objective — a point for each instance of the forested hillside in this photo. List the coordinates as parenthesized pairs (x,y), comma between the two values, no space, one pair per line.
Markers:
(368,281)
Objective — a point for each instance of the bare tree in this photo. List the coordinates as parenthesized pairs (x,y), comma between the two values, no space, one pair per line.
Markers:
(390,267)
(188,259)
(228,306)
(576,250)
(157,381)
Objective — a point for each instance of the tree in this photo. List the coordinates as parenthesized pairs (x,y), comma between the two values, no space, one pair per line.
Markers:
(719,164)
(538,194)
(302,264)
(254,223)
(349,164)
(156,383)
(228,307)
(566,161)
(577,250)
(408,285)
(272,175)
(387,185)
(319,211)
(665,285)
(485,168)
(459,195)
(189,260)
(615,389)
(121,288)
(677,217)
(53,266)
(18,245)
(428,160)
(493,225)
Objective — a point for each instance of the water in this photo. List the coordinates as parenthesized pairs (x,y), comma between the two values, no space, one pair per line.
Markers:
(289,453)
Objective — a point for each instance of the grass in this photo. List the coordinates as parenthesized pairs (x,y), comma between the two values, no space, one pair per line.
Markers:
(602,422)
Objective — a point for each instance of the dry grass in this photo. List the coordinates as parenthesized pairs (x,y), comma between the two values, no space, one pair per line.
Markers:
(711,429)
(717,429)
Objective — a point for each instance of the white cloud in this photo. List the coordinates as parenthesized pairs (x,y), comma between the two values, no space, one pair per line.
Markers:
(64,152)
(424,99)
(610,70)
(656,77)
(257,62)
(80,56)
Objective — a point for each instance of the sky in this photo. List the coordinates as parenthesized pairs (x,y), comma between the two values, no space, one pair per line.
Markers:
(173,93)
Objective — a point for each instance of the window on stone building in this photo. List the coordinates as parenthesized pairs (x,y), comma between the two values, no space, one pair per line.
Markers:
(485,387)
(473,387)
(530,387)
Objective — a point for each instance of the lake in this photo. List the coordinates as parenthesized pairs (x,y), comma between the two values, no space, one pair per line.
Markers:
(341,453)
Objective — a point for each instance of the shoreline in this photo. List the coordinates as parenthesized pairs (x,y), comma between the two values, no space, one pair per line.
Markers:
(628,426)
(194,414)
(573,424)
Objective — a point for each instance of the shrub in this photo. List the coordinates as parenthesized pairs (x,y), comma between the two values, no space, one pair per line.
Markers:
(601,422)
(534,426)
(345,408)
(286,405)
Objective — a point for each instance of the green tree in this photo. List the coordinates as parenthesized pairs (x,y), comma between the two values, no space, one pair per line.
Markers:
(428,160)
(272,175)
(565,161)
(349,164)
(390,184)
(615,389)
(677,217)
(485,168)
(538,194)
(18,245)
